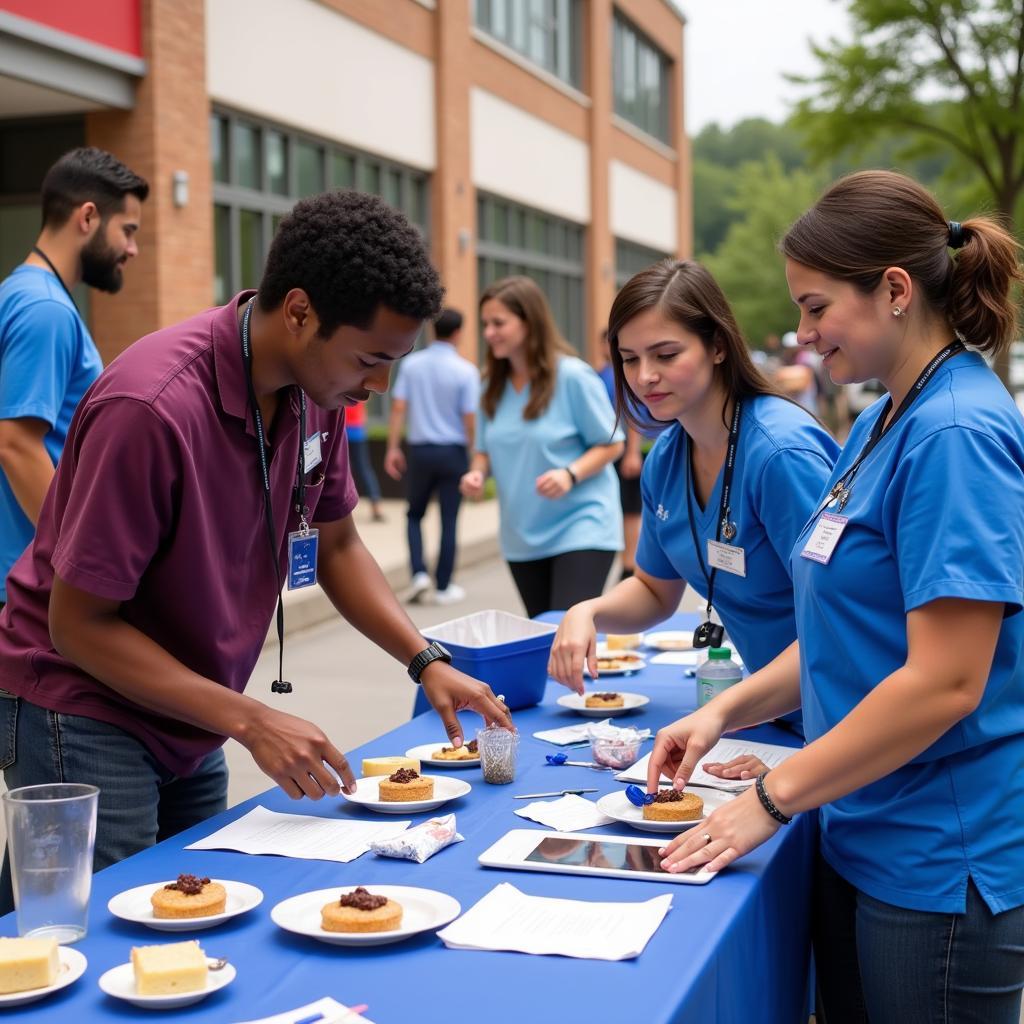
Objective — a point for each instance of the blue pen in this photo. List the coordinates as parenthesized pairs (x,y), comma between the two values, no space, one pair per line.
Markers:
(310,1020)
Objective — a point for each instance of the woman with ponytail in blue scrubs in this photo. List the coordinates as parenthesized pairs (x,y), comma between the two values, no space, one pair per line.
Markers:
(910,584)
(725,489)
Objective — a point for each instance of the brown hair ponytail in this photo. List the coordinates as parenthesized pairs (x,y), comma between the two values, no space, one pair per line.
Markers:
(873,220)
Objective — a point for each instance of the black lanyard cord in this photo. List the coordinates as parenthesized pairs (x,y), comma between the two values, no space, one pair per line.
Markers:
(279,685)
(843,487)
(56,273)
(723,524)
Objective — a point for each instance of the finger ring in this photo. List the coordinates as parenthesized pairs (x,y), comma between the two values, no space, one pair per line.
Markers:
(706,837)
(500,698)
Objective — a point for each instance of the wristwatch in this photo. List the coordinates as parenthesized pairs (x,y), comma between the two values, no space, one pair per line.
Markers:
(433,652)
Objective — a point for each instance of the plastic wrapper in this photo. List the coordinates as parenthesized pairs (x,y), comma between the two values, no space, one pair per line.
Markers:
(420,843)
(615,747)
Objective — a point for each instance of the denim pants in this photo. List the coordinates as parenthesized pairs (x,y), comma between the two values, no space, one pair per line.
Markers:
(435,467)
(883,964)
(140,801)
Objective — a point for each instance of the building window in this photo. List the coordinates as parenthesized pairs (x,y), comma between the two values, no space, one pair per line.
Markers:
(546,32)
(640,78)
(261,169)
(631,258)
(513,239)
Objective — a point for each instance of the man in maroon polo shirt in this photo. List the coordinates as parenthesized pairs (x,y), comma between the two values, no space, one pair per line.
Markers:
(135,617)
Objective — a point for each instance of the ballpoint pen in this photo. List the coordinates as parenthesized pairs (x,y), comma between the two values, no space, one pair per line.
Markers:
(561,792)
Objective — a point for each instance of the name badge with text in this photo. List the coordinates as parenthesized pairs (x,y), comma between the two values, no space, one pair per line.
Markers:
(311,456)
(727,557)
(824,538)
(302,552)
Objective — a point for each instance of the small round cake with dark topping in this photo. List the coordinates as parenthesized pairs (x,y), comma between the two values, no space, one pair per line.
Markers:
(467,752)
(674,805)
(361,911)
(604,700)
(405,785)
(189,896)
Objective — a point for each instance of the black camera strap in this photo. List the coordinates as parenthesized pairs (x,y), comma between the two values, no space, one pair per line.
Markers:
(279,685)
(710,634)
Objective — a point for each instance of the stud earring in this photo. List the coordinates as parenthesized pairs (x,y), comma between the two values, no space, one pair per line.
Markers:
(897,311)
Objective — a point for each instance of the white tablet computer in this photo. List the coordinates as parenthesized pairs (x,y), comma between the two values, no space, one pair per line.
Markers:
(526,849)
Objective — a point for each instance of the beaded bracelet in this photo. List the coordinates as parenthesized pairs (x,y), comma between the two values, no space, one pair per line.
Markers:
(767,803)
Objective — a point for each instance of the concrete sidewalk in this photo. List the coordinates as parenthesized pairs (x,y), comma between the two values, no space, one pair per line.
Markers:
(477,542)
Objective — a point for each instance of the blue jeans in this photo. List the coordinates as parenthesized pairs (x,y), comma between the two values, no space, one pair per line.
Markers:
(435,467)
(883,964)
(362,467)
(140,801)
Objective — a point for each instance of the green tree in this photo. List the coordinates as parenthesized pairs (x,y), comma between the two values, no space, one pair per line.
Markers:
(965,56)
(748,264)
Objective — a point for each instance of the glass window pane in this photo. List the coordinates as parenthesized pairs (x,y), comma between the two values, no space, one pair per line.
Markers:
(247,155)
(309,166)
(517,227)
(500,233)
(250,247)
(277,163)
(392,191)
(222,287)
(343,170)
(417,211)
(219,148)
(369,177)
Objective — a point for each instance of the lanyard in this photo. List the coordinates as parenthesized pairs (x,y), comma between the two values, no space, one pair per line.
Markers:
(279,685)
(56,273)
(723,528)
(844,485)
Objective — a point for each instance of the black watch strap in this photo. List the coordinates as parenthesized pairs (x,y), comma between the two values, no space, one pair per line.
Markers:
(432,652)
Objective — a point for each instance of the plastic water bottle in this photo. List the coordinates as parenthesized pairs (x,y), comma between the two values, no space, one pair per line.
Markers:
(716,675)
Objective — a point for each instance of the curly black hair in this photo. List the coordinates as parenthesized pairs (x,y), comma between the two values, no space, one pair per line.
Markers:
(351,253)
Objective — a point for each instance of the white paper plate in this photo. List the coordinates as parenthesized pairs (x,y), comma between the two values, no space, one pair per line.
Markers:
(423,753)
(72,967)
(422,910)
(119,982)
(367,795)
(576,702)
(670,640)
(133,905)
(617,806)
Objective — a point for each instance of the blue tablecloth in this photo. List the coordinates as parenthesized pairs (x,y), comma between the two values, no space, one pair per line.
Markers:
(735,950)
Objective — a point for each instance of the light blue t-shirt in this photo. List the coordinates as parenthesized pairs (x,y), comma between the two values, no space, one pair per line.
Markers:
(441,387)
(783,460)
(936,511)
(577,418)
(47,362)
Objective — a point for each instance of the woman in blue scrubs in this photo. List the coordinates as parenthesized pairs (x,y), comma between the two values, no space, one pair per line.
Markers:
(548,434)
(909,583)
(726,487)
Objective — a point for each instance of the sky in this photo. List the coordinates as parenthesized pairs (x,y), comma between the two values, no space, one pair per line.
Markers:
(738,50)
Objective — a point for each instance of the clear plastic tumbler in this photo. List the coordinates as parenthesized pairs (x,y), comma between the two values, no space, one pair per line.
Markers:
(498,749)
(51,832)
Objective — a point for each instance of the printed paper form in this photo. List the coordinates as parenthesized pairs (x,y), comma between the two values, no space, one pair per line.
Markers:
(299,835)
(722,752)
(508,919)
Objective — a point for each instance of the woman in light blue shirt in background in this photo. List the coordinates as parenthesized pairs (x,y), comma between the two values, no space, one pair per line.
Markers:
(909,661)
(548,435)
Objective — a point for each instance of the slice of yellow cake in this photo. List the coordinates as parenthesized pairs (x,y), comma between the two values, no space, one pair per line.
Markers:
(27,964)
(387,765)
(169,969)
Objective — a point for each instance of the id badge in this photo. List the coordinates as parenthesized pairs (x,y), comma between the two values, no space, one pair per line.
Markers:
(311,457)
(302,551)
(727,557)
(824,537)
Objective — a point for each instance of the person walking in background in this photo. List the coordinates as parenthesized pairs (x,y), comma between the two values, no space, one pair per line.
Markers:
(629,467)
(359,450)
(548,434)
(437,391)
(92,209)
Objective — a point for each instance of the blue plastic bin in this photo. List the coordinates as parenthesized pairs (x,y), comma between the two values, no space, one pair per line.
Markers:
(506,651)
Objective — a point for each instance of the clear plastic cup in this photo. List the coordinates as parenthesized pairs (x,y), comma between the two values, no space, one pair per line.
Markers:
(499,751)
(51,832)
